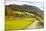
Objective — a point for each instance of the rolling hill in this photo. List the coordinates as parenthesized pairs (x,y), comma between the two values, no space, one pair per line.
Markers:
(23,17)
(27,8)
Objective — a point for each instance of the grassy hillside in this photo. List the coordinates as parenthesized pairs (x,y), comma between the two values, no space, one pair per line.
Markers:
(18,19)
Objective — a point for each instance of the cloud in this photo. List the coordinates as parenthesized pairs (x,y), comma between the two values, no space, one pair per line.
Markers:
(28,2)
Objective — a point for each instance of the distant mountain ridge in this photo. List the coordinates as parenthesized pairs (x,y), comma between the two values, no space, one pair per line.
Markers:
(27,8)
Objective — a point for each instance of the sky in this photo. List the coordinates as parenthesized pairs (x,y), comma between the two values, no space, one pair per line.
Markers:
(27,0)
(37,3)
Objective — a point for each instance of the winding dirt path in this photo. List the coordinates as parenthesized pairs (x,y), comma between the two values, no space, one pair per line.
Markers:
(33,25)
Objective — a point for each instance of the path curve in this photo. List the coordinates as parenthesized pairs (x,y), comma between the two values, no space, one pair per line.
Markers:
(33,25)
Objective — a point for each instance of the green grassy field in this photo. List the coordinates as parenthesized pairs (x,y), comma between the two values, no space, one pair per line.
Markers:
(18,23)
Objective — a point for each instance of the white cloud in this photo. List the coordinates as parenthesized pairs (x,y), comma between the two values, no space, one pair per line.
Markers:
(28,2)
(33,0)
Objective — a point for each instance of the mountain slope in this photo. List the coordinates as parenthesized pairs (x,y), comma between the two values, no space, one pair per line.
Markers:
(27,8)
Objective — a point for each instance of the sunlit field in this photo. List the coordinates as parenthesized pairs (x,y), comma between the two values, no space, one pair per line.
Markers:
(18,23)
